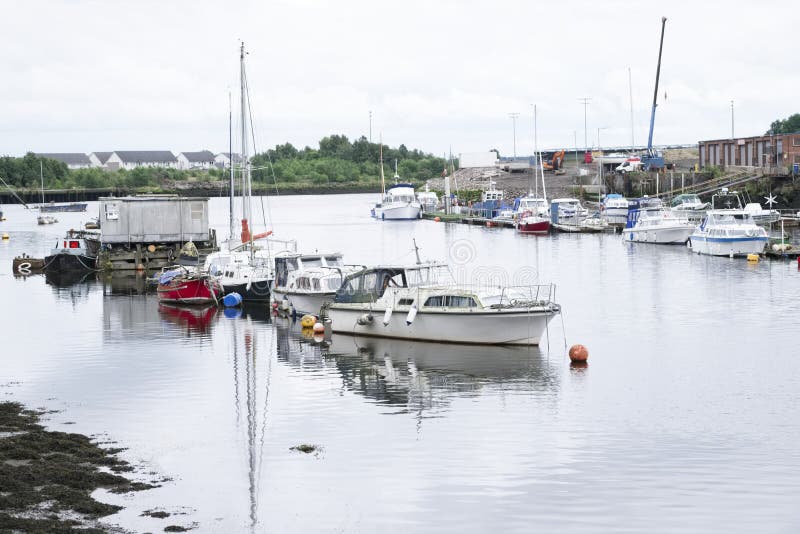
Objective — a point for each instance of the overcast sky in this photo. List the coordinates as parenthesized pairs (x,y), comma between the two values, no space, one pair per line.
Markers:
(83,76)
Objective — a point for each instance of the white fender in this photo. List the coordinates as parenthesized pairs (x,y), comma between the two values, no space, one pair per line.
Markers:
(412,314)
(387,315)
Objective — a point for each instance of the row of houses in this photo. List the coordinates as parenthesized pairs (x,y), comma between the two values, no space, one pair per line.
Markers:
(781,152)
(131,159)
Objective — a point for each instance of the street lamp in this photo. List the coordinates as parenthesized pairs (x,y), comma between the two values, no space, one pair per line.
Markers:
(585,102)
(514,116)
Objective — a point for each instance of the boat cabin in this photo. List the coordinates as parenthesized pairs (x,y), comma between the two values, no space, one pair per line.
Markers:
(284,265)
(726,200)
(369,285)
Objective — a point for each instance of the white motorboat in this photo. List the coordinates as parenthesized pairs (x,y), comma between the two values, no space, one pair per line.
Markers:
(304,282)
(398,201)
(422,302)
(760,215)
(568,215)
(615,208)
(689,206)
(730,231)
(428,200)
(657,225)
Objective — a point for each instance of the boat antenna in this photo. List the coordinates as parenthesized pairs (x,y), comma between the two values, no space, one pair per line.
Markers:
(416,250)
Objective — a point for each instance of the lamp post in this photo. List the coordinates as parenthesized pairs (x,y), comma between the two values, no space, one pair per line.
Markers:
(585,102)
(514,116)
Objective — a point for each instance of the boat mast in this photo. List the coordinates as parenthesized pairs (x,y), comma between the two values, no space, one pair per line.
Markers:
(630,91)
(535,151)
(41,176)
(245,159)
(230,153)
(383,178)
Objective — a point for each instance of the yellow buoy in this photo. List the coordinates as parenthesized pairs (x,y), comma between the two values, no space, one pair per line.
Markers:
(5,236)
(307,321)
(752,257)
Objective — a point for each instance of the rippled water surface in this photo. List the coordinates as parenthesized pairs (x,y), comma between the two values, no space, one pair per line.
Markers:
(683,421)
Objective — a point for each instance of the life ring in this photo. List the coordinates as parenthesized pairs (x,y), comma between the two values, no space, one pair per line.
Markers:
(24,268)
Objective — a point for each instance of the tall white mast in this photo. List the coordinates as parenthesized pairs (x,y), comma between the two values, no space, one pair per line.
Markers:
(230,153)
(245,157)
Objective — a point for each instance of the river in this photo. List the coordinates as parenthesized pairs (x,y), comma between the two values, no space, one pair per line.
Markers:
(683,421)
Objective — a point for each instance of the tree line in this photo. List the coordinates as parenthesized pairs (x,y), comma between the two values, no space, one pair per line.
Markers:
(336,161)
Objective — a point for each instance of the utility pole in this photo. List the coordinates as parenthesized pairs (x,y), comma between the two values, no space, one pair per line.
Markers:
(585,102)
(514,116)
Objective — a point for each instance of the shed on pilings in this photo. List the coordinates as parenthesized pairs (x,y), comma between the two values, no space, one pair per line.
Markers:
(154,219)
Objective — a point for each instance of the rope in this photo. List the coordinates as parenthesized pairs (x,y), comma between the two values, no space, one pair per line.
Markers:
(14,193)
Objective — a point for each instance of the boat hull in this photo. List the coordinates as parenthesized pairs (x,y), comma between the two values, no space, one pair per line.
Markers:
(541,226)
(494,327)
(69,262)
(721,246)
(54,208)
(202,290)
(256,291)
(304,302)
(397,213)
(676,235)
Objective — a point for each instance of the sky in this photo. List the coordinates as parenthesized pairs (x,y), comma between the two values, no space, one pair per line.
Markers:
(85,76)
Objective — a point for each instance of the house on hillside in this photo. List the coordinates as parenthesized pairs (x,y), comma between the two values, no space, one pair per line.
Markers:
(223,159)
(74,160)
(131,159)
(204,159)
(99,159)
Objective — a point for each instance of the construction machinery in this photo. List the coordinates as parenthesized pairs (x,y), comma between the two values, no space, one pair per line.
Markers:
(555,162)
(653,160)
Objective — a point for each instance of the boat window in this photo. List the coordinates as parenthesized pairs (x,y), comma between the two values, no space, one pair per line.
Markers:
(334,261)
(405,302)
(316,284)
(334,282)
(451,301)
(311,262)
(112,211)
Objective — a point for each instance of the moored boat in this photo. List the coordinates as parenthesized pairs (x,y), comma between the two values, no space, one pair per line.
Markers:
(46,219)
(422,302)
(305,282)
(615,208)
(76,251)
(53,207)
(183,285)
(730,231)
(656,225)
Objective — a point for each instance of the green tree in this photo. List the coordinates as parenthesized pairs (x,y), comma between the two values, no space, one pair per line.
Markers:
(790,124)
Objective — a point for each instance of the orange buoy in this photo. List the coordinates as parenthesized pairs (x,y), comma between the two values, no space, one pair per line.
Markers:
(437,219)
(319,328)
(578,353)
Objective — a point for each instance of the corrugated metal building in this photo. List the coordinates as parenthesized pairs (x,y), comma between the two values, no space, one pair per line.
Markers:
(153,219)
(781,151)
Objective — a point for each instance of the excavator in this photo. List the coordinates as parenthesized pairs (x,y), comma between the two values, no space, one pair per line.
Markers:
(555,162)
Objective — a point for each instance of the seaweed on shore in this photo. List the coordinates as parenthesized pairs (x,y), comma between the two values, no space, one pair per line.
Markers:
(47,477)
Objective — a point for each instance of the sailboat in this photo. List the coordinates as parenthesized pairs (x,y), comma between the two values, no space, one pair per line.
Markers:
(244,268)
(534,213)
(54,207)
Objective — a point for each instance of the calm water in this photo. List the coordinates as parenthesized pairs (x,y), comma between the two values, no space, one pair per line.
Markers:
(684,420)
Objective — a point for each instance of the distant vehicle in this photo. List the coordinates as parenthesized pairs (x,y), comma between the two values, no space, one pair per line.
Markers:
(630,164)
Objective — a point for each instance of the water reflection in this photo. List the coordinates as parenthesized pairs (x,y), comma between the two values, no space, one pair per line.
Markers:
(73,286)
(251,347)
(191,319)
(120,283)
(413,375)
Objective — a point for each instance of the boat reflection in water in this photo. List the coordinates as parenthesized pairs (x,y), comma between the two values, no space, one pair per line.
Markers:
(73,286)
(250,346)
(191,319)
(418,375)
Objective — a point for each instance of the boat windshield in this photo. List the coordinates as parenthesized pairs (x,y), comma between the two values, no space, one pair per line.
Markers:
(309,263)
(370,284)
(732,218)
(334,261)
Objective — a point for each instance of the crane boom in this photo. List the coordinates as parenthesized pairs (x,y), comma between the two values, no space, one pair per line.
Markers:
(655,91)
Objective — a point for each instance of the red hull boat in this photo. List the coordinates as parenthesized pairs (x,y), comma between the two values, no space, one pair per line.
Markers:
(182,286)
(531,224)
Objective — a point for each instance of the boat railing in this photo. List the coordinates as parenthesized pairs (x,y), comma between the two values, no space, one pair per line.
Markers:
(526,296)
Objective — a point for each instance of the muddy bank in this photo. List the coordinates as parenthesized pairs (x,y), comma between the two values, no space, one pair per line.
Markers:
(47,477)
